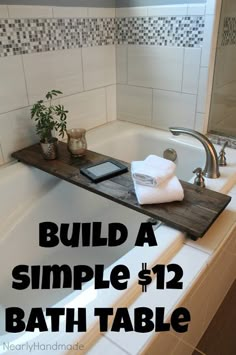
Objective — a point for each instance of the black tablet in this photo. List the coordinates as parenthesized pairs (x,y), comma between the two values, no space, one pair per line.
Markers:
(104,170)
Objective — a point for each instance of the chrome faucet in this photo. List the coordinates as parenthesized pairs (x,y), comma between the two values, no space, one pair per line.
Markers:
(211,169)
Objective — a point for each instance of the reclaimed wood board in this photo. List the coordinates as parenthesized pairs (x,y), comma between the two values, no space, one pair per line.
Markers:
(194,215)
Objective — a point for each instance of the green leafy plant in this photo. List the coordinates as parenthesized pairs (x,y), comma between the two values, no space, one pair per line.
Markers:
(49,117)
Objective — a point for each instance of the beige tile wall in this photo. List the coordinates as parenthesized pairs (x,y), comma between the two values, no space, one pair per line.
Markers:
(155,86)
(177,78)
(86,76)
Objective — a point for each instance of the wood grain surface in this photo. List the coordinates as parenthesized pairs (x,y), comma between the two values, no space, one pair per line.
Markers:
(194,215)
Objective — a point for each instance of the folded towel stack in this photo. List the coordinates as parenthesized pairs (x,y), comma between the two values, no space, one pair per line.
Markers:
(155,181)
(152,171)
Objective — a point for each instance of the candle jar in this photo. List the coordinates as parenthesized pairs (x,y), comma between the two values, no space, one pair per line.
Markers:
(76,142)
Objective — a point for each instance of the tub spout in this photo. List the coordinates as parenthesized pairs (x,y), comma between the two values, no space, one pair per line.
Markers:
(211,169)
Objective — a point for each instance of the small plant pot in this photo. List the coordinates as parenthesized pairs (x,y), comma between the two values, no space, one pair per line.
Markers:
(49,149)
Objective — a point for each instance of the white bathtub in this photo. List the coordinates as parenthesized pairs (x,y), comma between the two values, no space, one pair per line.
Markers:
(30,197)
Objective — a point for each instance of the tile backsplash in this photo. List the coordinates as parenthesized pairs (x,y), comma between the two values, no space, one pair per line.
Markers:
(44,48)
(34,35)
(180,31)
(147,65)
(24,36)
(164,54)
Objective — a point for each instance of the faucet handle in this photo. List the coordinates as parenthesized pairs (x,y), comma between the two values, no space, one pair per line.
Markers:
(222,155)
(199,179)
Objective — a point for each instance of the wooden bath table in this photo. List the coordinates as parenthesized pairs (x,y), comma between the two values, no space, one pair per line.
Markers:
(194,215)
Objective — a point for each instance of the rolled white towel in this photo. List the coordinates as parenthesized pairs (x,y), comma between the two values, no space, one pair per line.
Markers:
(169,191)
(153,171)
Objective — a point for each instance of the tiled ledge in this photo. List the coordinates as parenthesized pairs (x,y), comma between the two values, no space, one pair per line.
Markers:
(216,139)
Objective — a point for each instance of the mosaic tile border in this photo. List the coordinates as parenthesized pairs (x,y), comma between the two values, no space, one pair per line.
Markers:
(180,31)
(25,36)
(229,31)
(217,139)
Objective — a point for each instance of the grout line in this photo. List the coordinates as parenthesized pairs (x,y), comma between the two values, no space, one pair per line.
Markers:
(26,86)
(116,54)
(200,352)
(152,117)
(106,104)
(181,340)
(1,152)
(197,93)
(182,80)
(99,88)
(197,97)
(8,11)
(117,345)
(203,47)
(158,89)
(127,63)
(82,67)
(15,109)
(61,97)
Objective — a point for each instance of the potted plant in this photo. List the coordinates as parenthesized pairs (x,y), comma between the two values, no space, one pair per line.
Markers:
(49,118)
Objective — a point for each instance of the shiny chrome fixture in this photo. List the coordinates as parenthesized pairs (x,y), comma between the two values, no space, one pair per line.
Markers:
(211,169)
(222,155)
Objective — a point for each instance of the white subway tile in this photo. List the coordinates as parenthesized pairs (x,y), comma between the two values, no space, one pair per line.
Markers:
(134,104)
(24,11)
(3,11)
(131,11)
(192,59)
(196,9)
(200,122)
(111,103)
(202,90)
(220,288)
(12,84)
(17,131)
(60,70)
(101,12)
(211,7)
(197,306)
(164,342)
(193,263)
(167,10)
(155,67)
(207,40)
(122,64)
(87,109)
(104,346)
(70,12)
(99,66)
(172,108)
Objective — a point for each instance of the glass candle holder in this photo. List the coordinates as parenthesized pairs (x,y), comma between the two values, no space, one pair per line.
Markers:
(76,143)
